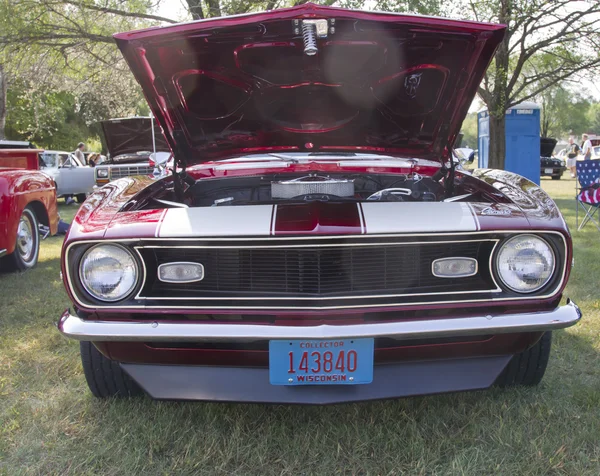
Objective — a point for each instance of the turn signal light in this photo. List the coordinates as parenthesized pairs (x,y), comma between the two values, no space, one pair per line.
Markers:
(181,272)
(454,267)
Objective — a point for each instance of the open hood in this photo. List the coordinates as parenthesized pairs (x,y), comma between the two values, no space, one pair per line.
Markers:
(131,135)
(547,145)
(311,78)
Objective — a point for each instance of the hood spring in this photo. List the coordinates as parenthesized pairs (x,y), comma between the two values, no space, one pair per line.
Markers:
(309,34)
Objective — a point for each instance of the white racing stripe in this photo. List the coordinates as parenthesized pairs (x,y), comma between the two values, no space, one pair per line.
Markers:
(243,220)
(417,217)
(259,220)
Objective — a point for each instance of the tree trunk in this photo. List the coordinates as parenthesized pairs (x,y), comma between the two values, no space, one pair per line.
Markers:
(497,150)
(3,89)
(214,8)
(195,8)
(497,106)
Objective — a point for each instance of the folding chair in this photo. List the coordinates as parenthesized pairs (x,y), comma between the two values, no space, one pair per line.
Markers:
(587,192)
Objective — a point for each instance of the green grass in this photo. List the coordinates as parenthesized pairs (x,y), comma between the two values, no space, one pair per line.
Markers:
(50,423)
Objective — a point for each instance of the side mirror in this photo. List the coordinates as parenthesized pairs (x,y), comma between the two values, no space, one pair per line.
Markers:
(471,157)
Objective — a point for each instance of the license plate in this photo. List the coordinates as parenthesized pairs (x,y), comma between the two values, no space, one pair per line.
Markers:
(548,171)
(321,362)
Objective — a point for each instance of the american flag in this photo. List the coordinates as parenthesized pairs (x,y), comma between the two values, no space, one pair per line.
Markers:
(588,174)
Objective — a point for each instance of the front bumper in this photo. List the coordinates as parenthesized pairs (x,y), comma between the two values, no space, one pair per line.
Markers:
(154,331)
(556,170)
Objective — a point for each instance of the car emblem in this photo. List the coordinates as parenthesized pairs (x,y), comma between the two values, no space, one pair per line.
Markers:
(495,211)
(411,84)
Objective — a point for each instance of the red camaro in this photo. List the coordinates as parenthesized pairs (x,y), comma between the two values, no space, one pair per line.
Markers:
(27,199)
(315,243)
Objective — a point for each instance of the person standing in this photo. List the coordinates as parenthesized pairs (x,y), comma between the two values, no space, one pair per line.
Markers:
(79,153)
(586,147)
(572,152)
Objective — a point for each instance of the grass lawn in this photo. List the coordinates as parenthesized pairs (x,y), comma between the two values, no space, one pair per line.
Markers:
(51,424)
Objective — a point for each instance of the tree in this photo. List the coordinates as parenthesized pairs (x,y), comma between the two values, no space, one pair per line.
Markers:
(565,32)
(72,40)
(564,111)
(593,119)
(469,131)
(65,47)
(3,90)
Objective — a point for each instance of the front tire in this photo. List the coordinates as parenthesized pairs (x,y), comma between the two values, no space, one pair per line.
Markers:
(81,197)
(105,377)
(529,366)
(27,244)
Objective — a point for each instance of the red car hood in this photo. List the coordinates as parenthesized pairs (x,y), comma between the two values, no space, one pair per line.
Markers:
(379,82)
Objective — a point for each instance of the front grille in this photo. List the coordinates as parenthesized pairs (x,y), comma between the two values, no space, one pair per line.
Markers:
(317,272)
(129,171)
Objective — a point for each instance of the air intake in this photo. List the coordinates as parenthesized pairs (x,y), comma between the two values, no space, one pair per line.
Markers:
(312,184)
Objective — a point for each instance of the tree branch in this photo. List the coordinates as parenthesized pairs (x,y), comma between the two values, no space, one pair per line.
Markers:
(114,11)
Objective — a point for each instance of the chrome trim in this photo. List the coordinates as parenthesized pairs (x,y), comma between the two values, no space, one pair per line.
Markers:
(278,240)
(496,270)
(138,281)
(322,298)
(454,258)
(2,253)
(323,237)
(153,331)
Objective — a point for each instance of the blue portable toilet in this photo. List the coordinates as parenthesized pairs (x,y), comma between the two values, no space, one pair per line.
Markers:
(522,140)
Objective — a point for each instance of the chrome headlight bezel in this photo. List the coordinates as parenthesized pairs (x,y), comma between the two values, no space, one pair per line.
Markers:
(102,173)
(103,298)
(551,252)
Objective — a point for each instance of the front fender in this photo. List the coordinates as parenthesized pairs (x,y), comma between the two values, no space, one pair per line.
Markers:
(539,209)
(101,207)
(18,189)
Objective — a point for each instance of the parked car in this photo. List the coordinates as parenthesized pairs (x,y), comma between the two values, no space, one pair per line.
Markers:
(71,176)
(27,199)
(130,144)
(316,243)
(595,149)
(550,166)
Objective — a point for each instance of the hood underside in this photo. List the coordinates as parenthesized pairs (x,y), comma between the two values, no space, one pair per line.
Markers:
(131,135)
(311,78)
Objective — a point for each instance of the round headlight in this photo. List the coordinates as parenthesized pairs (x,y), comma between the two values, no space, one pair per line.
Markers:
(525,263)
(102,173)
(108,272)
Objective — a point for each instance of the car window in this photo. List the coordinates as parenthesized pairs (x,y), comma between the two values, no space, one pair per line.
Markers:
(48,160)
(75,161)
(68,162)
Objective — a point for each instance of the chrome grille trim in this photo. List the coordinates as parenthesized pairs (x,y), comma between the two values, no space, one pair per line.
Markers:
(266,296)
(128,171)
(141,305)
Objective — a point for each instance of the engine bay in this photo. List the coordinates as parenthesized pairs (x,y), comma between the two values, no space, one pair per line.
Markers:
(312,186)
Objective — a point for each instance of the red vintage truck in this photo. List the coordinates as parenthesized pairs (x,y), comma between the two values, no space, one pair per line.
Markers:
(27,199)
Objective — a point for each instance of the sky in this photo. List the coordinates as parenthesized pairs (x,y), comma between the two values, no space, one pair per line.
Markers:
(173,9)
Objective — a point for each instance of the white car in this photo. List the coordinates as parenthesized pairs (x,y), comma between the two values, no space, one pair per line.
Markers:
(70,175)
